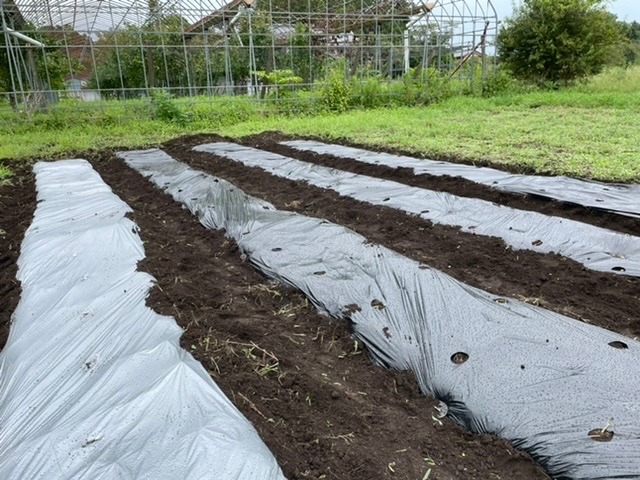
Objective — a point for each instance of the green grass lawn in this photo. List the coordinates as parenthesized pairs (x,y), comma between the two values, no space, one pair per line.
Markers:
(598,142)
(590,130)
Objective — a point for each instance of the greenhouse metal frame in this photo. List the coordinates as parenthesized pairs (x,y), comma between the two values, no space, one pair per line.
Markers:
(91,50)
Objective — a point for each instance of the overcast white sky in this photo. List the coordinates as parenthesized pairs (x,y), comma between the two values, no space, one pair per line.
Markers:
(627,10)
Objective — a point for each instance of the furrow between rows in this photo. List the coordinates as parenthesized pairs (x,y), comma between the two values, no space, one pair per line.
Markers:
(93,383)
(596,248)
(501,366)
(617,198)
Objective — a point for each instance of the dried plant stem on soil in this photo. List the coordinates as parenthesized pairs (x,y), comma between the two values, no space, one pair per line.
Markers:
(326,411)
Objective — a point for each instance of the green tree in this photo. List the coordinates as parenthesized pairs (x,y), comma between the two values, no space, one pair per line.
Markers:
(558,41)
(133,59)
(631,31)
(631,47)
(318,23)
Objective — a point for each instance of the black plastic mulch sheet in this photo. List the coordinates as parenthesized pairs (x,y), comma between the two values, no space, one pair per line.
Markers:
(564,391)
(597,248)
(613,197)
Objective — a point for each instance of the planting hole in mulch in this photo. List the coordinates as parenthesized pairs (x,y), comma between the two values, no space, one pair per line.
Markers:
(601,435)
(377,304)
(324,409)
(459,358)
(619,345)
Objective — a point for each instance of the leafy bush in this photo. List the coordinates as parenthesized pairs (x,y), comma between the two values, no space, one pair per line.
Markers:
(433,86)
(499,82)
(278,83)
(369,91)
(420,87)
(165,108)
(558,41)
(335,89)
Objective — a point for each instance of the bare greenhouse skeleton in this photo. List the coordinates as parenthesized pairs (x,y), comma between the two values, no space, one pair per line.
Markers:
(91,50)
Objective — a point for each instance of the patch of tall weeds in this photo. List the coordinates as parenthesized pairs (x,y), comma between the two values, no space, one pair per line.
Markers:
(165,108)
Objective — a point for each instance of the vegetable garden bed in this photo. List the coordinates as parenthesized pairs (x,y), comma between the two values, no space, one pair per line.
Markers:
(309,389)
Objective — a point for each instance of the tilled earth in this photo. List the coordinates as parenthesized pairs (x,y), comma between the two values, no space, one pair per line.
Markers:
(320,405)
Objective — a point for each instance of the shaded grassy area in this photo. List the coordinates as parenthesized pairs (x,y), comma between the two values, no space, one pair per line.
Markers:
(589,130)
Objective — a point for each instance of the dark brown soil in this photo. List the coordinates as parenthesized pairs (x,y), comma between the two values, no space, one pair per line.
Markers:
(312,393)
(17,204)
(552,281)
(455,185)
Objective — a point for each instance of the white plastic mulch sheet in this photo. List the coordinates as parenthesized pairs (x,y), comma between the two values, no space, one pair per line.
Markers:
(614,197)
(596,248)
(551,385)
(93,383)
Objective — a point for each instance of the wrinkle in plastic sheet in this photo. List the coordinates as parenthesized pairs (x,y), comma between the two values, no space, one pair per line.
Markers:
(595,247)
(93,383)
(623,199)
(534,377)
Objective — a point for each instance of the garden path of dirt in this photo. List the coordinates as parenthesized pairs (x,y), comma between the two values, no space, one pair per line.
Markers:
(311,392)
